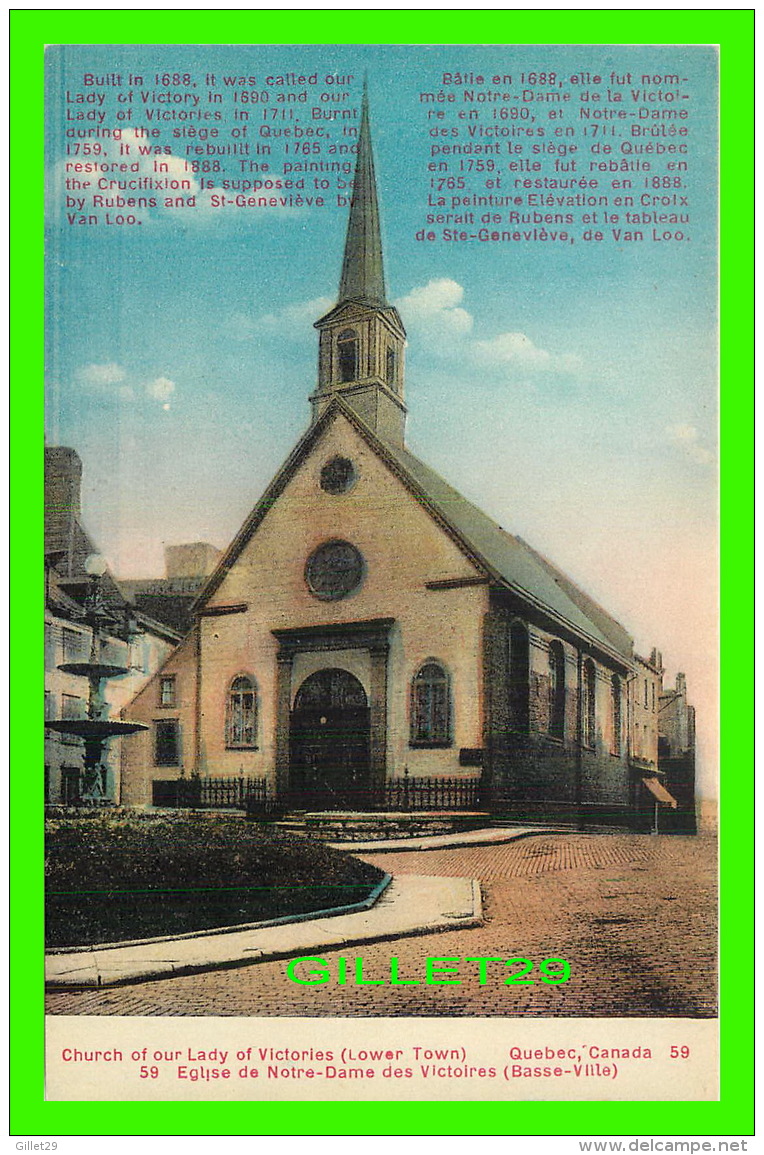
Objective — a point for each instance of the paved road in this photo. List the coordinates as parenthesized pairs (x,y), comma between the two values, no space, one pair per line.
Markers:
(635,917)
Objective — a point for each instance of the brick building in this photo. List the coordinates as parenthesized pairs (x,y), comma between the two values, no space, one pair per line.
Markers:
(369,625)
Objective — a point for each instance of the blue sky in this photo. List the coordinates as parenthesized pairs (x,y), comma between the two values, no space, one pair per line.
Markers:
(569,390)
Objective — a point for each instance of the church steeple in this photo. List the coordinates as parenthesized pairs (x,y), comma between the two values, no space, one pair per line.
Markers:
(362,337)
(363,276)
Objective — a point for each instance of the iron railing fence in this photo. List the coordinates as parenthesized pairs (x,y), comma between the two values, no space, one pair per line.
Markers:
(405,794)
(210,793)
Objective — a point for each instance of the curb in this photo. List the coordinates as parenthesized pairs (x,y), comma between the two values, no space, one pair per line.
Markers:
(284,920)
(445,841)
(412,905)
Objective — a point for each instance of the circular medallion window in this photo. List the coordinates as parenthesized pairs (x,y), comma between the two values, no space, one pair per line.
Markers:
(338,475)
(334,570)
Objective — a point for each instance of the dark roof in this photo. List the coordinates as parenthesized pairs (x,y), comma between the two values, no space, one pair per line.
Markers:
(172,611)
(509,560)
(163,629)
(512,560)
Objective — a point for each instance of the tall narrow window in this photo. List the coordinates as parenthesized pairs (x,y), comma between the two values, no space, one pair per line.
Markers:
(615,691)
(588,706)
(167,690)
(392,366)
(347,355)
(241,714)
(167,743)
(556,690)
(519,678)
(431,707)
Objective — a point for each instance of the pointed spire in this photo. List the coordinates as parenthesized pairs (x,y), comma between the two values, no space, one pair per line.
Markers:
(363,276)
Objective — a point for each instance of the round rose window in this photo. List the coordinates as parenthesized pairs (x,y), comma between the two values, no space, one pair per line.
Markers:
(334,570)
(338,475)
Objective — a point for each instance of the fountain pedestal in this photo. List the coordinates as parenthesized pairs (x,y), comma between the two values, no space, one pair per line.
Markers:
(96,730)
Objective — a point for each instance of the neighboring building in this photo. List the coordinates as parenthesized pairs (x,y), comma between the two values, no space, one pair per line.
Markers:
(651,796)
(171,599)
(127,638)
(676,753)
(368,625)
(676,721)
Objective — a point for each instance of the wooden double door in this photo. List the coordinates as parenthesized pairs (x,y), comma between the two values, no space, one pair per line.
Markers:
(329,743)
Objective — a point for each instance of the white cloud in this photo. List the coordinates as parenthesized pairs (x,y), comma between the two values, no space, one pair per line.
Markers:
(113,381)
(160,389)
(301,312)
(107,374)
(107,378)
(517,351)
(687,439)
(435,309)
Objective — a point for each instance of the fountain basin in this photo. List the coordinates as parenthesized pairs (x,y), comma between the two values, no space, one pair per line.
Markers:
(94,727)
(93,670)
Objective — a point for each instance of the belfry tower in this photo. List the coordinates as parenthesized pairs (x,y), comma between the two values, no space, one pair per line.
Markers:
(362,338)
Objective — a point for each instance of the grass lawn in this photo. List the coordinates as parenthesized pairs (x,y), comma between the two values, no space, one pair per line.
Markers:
(117,877)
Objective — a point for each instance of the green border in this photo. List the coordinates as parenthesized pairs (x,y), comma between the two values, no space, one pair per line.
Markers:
(733,32)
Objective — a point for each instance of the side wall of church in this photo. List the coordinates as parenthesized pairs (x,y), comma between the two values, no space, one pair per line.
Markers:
(542,771)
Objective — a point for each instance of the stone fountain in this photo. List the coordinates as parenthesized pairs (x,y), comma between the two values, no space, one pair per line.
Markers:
(97,729)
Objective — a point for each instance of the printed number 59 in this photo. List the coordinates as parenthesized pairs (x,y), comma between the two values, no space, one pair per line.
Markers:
(680,1052)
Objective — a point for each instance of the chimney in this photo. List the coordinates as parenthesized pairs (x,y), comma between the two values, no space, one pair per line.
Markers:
(191,560)
(63,481)
(681,684)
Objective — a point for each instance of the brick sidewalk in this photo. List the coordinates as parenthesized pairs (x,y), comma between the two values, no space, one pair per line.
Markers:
(635,917)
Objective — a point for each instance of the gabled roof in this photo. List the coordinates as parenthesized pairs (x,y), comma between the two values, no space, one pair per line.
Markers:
(513,562)
(508,560)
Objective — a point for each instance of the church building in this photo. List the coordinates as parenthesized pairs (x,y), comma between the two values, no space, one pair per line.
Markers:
(369,631)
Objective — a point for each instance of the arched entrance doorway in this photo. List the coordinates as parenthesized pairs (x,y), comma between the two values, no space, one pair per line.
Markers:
(329,747)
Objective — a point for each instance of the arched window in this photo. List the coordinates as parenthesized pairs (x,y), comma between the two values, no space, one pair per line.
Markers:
(431,706)
(347,355)
(241,714)
(518,677)
(615,704)
(588,708)
(556,690)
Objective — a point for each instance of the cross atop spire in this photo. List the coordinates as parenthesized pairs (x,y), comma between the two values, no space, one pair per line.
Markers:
(363,276)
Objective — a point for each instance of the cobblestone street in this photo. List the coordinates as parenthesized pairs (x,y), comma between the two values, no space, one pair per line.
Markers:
(635,916)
